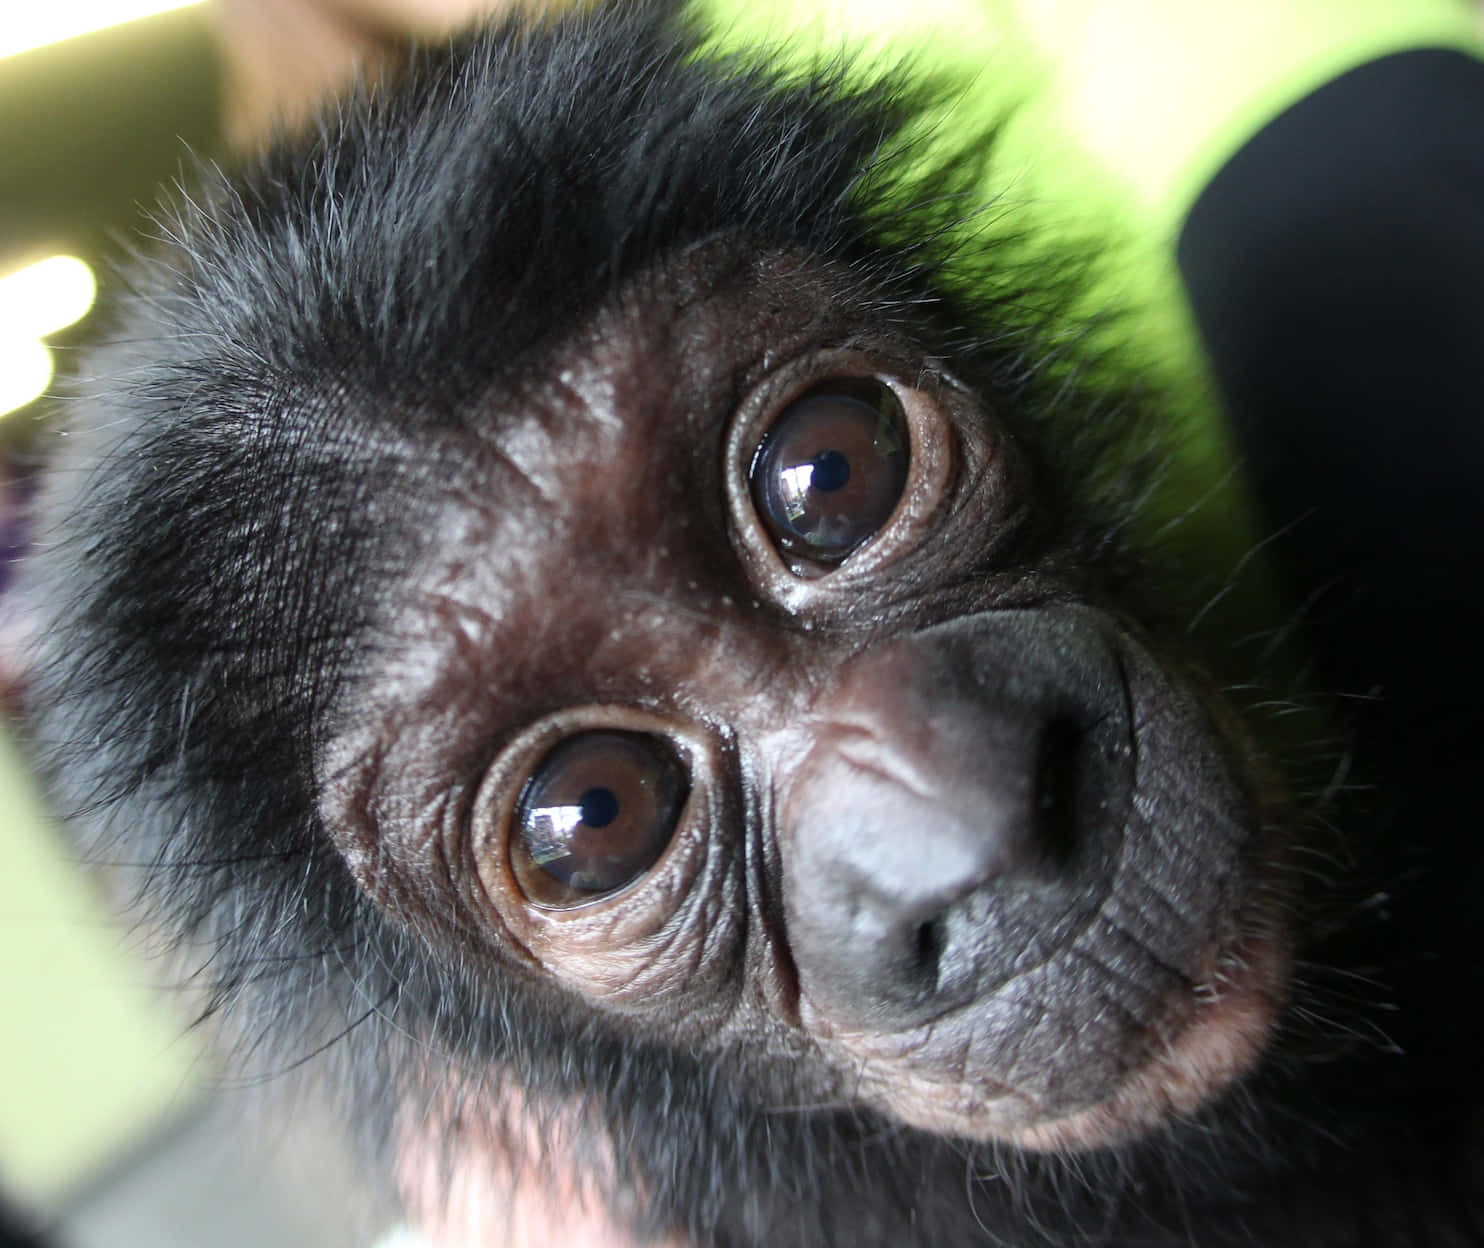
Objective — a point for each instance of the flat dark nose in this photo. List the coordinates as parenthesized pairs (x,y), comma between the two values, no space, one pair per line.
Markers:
(958,783)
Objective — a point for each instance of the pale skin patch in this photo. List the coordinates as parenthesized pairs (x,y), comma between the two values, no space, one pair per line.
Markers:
(511,1187)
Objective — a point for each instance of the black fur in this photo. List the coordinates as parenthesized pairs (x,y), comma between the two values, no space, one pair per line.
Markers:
(298,356)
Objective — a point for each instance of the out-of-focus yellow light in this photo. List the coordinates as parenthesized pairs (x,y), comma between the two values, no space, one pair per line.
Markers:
(34,302)
(45,297)
(26,25)
(25,372)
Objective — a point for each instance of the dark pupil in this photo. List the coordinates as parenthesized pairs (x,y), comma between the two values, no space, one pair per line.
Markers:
(595,815)
(599,807)
(832,469)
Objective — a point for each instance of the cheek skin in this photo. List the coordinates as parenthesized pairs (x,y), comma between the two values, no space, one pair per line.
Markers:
(1229,1034)
(513,1186)
(1232,1024)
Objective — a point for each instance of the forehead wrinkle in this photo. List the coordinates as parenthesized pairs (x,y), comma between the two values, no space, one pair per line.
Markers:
(655,334)
(512,522)
(581,517)
(587,406)
(505,460)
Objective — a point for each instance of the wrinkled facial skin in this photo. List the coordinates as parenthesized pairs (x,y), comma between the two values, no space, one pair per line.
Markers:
(917,820)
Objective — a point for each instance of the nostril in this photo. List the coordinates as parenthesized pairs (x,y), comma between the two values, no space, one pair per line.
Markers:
(931,939)
(1057,786)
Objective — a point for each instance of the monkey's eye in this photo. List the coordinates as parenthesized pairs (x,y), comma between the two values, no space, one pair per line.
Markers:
(832,469)
(595,815)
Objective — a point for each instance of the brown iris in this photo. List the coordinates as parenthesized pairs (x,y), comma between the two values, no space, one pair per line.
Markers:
(596,814)
(832,469)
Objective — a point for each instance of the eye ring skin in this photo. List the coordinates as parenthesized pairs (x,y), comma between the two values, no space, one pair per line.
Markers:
(932,450)
(630,914)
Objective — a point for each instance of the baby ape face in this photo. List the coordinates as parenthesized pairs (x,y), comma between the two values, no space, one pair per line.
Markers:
(609,623)
(728,693)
